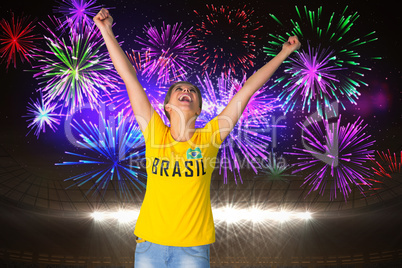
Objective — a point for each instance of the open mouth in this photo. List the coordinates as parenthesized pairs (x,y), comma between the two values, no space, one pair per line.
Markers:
(185,98)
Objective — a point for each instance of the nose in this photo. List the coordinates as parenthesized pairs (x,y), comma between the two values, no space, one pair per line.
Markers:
(186,89)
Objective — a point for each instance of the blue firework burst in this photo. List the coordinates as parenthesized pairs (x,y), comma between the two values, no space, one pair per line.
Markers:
(115,149)
(41,115)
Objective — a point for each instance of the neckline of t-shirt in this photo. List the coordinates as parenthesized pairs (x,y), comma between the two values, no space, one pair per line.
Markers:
(192,137)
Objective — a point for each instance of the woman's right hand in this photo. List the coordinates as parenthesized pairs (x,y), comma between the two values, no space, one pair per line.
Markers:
(103,20)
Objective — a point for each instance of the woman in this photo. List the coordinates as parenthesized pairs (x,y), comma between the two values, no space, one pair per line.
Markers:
(175,227)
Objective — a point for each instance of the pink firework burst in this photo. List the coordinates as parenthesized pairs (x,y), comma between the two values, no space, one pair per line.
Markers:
(170,53)
(246,144)
(141,60)
(334,155)
(17,39)
(226,39)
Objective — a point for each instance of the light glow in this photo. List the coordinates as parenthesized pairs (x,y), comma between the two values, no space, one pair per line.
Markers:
(227,215)
(98,216)
(125,216)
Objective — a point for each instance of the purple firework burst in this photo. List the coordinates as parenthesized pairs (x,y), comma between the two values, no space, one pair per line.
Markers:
(250,138)
(226,39)
(120,102)
(119,97)
(170,52)
(260,105)
(313,76)
(334,154)
(78,13)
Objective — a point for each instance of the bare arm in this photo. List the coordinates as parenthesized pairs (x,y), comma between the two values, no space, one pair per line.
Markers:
(228,118)
(142,108)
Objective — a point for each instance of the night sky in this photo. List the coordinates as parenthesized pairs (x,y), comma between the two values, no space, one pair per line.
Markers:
(379,104)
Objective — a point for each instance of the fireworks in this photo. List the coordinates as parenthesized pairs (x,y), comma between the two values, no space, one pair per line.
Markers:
(17,39)
(226,39)
(334,154)
(78,13)
(121,103)
(139,60)
(119,98)
(257,111)
(312,75)
(113,146)
(275,168)
(247,142)
(258,108)
(170,53)
(77,71)
(329,69)
(387,165)
(41,114)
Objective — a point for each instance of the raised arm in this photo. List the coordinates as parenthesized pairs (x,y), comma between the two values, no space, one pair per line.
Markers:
(139,100)
(228,118)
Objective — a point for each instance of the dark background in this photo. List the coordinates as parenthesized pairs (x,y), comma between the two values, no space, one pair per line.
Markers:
(383,122)
(358,232)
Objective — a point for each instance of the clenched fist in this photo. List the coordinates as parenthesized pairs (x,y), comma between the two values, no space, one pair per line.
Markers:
(103,20)
(291,45)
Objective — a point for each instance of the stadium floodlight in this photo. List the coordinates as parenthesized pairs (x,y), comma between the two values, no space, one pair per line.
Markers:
(227,215)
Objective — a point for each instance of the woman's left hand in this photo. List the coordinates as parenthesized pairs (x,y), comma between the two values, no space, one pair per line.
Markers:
(291,45)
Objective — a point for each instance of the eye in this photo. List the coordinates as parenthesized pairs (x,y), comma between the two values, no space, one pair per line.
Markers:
(192,90)
(178,88)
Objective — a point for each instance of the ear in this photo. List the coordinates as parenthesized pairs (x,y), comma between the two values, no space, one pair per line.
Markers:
(168,107)
(198,112)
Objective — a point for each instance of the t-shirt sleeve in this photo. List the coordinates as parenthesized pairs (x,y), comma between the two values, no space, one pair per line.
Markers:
(155,126)
(212,129)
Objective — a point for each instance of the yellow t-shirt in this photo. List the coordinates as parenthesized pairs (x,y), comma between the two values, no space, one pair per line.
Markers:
(176,210)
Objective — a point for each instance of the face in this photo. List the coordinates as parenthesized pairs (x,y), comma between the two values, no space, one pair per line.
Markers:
(185,97)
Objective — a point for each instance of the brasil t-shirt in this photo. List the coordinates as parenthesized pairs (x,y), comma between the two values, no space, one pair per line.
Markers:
(176,210)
